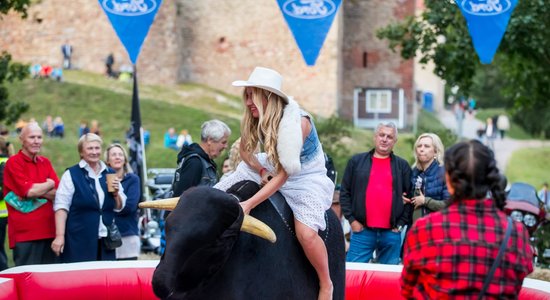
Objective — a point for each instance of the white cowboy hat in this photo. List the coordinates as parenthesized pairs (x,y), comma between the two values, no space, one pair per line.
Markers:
(266,79)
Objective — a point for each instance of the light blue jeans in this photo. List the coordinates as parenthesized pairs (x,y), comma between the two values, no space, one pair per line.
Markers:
(386,243)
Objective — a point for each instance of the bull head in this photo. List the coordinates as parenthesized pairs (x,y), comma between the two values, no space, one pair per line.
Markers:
(201,230)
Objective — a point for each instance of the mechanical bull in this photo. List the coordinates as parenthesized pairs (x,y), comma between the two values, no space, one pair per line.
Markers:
(207,256)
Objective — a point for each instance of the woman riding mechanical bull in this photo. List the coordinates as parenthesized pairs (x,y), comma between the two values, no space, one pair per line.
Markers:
(292,162)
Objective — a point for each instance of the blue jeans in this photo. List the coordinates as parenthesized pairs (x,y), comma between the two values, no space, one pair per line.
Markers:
(386,243)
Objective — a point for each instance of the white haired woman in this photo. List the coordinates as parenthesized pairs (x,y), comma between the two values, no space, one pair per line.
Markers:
(84,207)
(127,219)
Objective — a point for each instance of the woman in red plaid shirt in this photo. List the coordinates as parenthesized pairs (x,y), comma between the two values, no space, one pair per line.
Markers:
(448,253)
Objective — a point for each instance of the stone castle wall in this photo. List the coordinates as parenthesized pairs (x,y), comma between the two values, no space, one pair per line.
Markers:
(85,26)
(367,61)
(216,42)
(229,38)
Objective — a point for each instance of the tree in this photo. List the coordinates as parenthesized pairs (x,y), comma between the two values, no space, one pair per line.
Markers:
(440,35)
(332,132)
(10,71)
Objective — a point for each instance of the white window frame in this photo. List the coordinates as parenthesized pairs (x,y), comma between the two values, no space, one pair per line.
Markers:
(374,101)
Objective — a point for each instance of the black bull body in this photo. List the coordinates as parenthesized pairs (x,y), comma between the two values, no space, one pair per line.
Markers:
(208,257)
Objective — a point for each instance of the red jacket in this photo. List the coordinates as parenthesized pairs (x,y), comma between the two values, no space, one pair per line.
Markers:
(20,173)
(448,253)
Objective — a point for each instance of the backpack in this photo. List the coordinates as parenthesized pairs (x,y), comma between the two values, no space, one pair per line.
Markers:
(207,178)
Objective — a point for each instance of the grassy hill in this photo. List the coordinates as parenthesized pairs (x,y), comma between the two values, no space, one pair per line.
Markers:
(529,165)
(76,102)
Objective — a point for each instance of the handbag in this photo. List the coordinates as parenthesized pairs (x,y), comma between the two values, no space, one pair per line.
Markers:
(113,239)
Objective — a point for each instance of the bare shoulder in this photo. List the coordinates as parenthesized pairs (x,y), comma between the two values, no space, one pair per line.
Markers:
(306,125)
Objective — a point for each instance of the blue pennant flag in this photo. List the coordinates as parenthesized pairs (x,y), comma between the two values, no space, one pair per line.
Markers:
(487,21)
(131,20)
(309,21)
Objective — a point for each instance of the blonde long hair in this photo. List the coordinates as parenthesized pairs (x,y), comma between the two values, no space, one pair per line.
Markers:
(126,168)
(437,144)
(265,128)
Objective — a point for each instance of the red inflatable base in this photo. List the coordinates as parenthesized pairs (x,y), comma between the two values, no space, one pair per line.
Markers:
(374,281)
(91,280)
(132,280)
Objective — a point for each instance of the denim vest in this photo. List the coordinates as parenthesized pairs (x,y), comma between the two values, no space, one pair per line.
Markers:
(312,145)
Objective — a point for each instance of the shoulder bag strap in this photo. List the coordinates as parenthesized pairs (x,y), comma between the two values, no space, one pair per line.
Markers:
(497,260)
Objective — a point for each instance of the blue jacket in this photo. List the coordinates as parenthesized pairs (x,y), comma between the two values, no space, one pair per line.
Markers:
(127,219)
(433,184)
(81,234)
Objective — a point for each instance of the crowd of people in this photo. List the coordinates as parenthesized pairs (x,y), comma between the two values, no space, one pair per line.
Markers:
(176,142)
(52,220)
(54,127)
(395,211)
(451,204)
(47,70)
(441,218)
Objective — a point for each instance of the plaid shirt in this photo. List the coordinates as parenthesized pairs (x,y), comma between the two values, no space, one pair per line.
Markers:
(448,254)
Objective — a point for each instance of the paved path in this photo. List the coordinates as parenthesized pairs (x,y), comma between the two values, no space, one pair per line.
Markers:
(503,148)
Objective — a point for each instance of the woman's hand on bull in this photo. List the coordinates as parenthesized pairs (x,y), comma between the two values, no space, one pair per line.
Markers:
(246,206)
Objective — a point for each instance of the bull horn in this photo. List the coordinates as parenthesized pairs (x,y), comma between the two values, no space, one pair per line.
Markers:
(250,224)
(258,228)
(166,204)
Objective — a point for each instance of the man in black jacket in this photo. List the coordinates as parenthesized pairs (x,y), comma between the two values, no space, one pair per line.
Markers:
(196,164)
(371,199)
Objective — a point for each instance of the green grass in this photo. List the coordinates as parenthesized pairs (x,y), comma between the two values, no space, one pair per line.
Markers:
(75,102)
(189,94)
(530,166)
(515,132)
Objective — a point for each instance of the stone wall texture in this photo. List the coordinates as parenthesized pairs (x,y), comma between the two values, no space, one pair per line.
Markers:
(215,42)
(367,61)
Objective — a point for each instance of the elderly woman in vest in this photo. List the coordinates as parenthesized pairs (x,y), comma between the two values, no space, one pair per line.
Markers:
(84,207)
